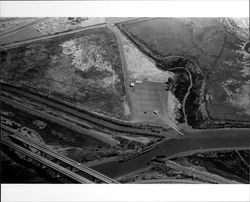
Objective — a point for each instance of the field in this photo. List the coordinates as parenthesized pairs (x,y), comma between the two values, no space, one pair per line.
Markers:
(148,97)
(83,69)
(43,27)
(7,26)
(149,91)
(216,46)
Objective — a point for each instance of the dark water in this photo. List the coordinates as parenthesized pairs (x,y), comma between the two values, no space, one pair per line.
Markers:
(184,145)
(202,140)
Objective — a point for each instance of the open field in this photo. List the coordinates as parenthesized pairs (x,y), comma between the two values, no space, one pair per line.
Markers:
(216,47)
(148,93)
(9,26)
(48,26)
(82,68)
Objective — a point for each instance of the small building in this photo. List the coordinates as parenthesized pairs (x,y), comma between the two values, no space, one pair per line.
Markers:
(131,84)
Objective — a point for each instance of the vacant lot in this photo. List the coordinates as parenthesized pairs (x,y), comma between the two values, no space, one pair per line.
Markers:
(216,46)
(149,92)
(83,69)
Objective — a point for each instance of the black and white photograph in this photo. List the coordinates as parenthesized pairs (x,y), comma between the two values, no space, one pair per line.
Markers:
(125,100)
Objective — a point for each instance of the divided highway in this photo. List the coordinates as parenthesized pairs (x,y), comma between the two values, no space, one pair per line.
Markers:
(44,155)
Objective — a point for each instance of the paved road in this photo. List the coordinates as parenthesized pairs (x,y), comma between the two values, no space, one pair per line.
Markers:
(12,45)
(42,148)
(168,181)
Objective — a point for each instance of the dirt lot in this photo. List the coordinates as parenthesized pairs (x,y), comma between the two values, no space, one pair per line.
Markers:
(149,91)
(82,69)
(148,97)
(216,45)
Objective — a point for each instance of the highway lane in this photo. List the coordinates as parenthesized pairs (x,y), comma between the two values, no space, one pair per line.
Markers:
(192,142)
(13,134)
(46,162)
(168,181)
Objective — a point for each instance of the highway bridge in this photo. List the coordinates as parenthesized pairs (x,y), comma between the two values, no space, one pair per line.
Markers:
(61,165)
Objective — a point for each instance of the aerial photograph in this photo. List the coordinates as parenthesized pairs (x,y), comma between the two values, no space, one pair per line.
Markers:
(125,100)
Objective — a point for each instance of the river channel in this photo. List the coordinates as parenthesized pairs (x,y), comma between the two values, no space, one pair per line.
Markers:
(191,142)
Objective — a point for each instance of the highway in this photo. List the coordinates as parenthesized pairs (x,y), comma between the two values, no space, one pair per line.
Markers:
(45,162)
(44,151)
(172,148)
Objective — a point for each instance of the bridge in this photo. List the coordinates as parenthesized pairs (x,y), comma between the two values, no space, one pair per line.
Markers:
(61,165)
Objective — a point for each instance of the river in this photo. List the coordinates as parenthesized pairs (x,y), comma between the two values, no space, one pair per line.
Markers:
(191,142)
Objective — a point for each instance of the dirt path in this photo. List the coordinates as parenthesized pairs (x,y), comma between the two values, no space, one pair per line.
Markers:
(117,33)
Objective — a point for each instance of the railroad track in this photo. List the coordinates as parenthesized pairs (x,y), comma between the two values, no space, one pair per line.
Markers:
(95,119)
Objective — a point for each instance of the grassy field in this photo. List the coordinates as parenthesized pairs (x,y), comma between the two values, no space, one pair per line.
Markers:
(83,69)
(216,46)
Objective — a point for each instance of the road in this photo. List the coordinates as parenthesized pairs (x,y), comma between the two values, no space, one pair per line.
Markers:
(15,44)
(124,64)
(168,181)
(210,140)
(115,125)
(192,142)
(200,174)
(78,128)
(49,153)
